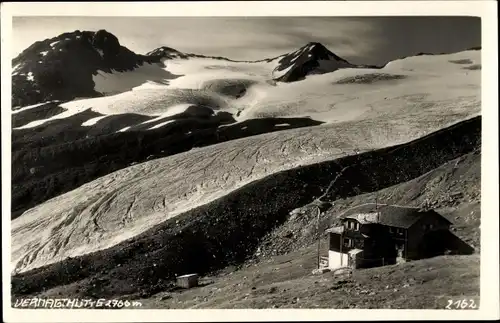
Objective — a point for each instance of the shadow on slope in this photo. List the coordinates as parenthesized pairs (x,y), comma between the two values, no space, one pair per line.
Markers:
(61,155)
(227,231)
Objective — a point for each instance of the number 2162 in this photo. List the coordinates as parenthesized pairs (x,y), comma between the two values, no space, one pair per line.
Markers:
(461,304)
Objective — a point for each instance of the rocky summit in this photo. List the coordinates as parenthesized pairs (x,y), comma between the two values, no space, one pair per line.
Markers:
(61,68)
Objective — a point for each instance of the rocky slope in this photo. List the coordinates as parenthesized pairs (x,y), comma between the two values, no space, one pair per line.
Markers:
(65,67)
(61,68)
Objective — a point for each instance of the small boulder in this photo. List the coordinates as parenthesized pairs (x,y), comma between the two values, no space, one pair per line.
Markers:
(165,297)
(320,271)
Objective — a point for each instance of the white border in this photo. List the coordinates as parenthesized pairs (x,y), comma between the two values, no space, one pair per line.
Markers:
(489,206)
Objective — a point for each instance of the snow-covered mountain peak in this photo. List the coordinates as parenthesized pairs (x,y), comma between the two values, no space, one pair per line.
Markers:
(312,58)
(166,52)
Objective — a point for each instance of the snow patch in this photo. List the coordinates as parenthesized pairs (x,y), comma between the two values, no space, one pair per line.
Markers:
(44,53)
(161,124)
(53,43)
(92,121)
(124,129)
(30,77)
(377,115)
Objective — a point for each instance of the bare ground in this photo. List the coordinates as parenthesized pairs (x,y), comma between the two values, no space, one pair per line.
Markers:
(286,281)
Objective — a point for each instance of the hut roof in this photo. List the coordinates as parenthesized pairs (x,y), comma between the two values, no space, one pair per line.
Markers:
(390,215)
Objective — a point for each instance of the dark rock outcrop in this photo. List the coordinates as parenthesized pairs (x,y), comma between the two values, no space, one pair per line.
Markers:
(61,68)
(106,42)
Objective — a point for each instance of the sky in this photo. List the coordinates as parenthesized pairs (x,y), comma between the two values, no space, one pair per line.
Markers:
(361,40)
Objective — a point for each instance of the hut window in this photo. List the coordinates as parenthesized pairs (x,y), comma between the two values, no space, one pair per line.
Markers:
(357,226)
(427,226)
